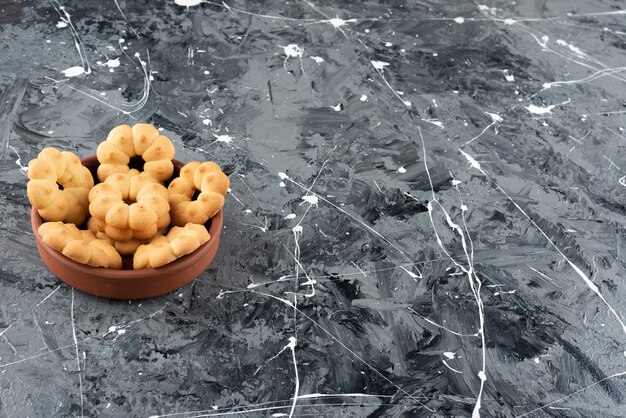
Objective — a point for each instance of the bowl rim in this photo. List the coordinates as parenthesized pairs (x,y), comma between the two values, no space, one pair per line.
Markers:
(181,263)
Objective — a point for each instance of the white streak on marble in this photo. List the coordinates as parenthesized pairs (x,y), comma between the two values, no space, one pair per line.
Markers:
(332,336)
(80,378)
(592,286)
(66,18)
(48,296)
(450,367)
(495,118)
(594,76)
(292,345)
(124,17)
(369,228)
(8,327)
(379,66)
(126,108)
(473,280)
(435,122)
(337,395)
(358,268)
(410,273)
(531,412)
(23,168)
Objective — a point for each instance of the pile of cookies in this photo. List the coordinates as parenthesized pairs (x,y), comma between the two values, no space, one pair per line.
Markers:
(128,212)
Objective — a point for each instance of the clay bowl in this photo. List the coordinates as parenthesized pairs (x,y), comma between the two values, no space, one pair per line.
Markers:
(128,283)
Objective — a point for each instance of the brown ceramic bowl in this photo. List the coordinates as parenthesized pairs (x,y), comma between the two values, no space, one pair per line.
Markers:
(128,283)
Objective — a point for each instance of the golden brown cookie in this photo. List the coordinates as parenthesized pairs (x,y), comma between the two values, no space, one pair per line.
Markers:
(143,140)
(213,185)
(163,249)
(132,206)
(51,169)
(81,246)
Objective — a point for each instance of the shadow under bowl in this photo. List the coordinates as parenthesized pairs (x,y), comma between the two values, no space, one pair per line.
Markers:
(128,283)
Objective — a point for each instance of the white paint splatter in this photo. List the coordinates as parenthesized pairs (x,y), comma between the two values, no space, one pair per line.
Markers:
(227,139)
(293,50)
(73,71)
(435,122)
(540,110)
(471,160)
(338,22)
(495,117)
(337,108)
(188,3)
(379,65)
(312,199)
(113,63)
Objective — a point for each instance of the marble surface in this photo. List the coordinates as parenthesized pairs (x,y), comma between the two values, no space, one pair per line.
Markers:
(427,213)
